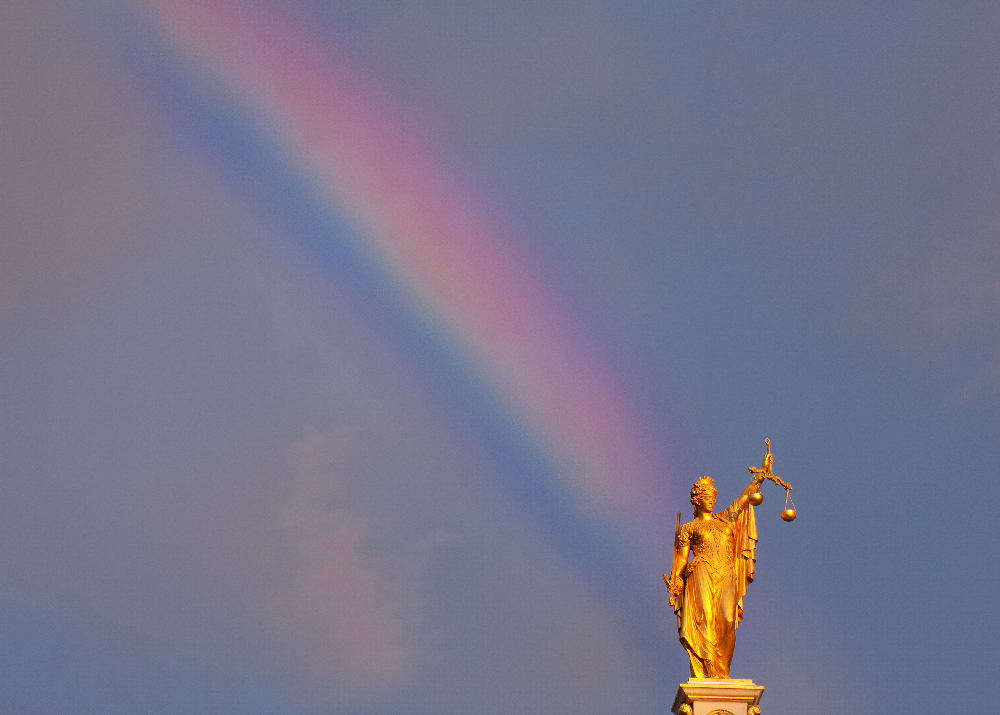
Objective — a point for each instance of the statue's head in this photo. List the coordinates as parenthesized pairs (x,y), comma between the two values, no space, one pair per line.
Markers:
(703,494)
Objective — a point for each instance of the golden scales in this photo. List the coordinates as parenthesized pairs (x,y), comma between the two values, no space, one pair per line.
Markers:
(788,513)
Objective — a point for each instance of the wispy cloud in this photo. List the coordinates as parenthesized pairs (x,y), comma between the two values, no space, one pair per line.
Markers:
(341,617)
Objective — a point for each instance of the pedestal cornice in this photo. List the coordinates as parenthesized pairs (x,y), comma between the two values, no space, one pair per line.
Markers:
(717,696)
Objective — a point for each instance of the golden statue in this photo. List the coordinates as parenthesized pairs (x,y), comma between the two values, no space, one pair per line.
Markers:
(707,591)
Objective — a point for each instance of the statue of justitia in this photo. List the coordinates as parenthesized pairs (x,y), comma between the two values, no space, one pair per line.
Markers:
(707,590)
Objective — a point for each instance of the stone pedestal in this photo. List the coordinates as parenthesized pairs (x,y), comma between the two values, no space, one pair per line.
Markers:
(712,696)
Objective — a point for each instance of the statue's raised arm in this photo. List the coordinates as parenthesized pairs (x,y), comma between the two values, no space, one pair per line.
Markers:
(751,495)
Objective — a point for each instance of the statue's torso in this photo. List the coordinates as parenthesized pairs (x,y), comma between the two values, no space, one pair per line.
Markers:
(712,541)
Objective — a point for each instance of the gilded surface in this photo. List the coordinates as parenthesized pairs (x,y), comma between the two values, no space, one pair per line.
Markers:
(707,590)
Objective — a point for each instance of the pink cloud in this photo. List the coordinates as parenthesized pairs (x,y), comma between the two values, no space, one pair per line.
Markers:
(347,628)
(912,305)
(341,620)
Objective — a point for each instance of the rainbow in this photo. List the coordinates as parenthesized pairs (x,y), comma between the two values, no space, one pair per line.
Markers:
(454,260)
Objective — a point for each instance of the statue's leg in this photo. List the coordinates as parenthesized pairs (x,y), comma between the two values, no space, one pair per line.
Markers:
(727,619)
(695,622)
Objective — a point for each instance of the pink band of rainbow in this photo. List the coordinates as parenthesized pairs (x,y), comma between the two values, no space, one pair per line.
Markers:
(447,253)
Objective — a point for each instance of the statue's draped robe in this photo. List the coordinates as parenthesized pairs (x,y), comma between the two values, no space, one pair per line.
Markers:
(710,607)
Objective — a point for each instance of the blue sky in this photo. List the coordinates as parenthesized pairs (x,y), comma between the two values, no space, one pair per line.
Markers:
(235,480)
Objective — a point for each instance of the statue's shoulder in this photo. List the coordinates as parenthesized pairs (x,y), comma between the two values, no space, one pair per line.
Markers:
(687,530)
